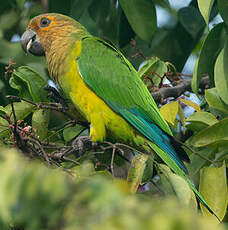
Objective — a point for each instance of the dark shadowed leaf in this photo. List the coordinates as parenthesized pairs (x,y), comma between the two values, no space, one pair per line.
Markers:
(141,15)
(59,6)
(99,12)
(190,18)
(212,45)
(6,5)
(106,16)
(125,31)
(70,132)
(78,7)
(163,3)
(223,9)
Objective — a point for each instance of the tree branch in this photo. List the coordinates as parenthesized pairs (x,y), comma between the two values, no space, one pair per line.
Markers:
(176,91)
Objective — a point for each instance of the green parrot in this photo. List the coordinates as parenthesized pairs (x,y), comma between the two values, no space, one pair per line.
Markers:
(105,88)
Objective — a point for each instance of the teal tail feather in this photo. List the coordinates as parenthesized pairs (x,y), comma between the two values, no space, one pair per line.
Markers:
(179,171)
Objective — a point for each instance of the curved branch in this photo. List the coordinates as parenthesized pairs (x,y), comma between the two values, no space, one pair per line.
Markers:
(176,91)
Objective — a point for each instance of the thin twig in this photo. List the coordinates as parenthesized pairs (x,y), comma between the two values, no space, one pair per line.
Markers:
(112,159)
(50,106)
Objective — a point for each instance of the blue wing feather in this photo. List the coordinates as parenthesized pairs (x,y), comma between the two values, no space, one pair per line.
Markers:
(151,131)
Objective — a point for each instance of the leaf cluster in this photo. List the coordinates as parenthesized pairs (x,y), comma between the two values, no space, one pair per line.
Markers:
(34,197)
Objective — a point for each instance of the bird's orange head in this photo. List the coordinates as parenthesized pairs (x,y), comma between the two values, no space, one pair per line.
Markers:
(46,29)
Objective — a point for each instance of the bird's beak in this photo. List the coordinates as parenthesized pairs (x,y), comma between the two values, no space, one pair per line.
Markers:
(30,42)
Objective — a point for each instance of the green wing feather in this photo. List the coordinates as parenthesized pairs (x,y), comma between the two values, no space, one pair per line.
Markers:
(114,79)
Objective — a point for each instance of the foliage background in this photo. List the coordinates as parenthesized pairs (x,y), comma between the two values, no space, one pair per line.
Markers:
(34,196)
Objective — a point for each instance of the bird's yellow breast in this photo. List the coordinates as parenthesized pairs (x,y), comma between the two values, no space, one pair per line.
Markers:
(102,118)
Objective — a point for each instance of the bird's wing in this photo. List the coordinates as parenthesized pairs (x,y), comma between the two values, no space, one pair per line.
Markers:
(107,72)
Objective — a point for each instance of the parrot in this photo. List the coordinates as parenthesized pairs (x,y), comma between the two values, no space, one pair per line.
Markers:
(105,88)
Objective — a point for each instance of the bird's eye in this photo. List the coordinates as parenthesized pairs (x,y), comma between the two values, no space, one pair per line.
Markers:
(45,22)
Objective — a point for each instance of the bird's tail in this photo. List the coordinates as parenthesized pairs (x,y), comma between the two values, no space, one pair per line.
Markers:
(175,167)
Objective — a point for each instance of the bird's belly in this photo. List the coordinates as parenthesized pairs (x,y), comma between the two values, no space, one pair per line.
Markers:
(103,119)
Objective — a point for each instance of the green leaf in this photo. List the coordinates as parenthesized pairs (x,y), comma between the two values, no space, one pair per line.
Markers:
(200,120)
(169,112)
(29,84)
(71,132)
(107,18)
(59,6)
(204,117)
(21,4)
(22,110)
(4,125)
(126,33)
(99,12)
(5,6)
(214,101)
(180,186)
(223,8)
(171,67)
(9,19)
(191,104)
(36,192)
(190,18)
(33,197)
(135,172)
(221,74)
(200,159)
(78,7)
(182,116)
(213,187)
(205,8)
(148,171)
(163,3)
(3,110)
(212,46)
(141,15)
(147,68)
(40,121)
(214,134)
(153,68)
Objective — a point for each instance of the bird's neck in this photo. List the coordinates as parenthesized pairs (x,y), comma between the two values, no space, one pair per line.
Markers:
(60,54)
(56,56)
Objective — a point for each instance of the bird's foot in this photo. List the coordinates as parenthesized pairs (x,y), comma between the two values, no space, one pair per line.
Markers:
(56,97)
(82,144)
